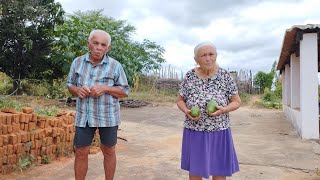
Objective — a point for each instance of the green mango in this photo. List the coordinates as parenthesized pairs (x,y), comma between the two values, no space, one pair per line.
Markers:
(212,106)
(195,111)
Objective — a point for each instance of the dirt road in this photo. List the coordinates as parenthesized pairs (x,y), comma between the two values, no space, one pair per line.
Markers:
(267,146)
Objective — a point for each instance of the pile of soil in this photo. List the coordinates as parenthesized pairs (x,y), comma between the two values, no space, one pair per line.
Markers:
(132,103)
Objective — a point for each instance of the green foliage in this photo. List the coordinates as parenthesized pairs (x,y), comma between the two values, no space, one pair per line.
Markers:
(55,89)
(45,159)
(245,97)
(5,84)
(24,163)
(278,90)
(270,100)
(48,111)
(34,87)
(7,103)
(134,56)
(58,89)
(263,80)
(25,38)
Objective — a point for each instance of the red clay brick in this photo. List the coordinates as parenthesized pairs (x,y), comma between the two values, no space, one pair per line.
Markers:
(28,118)
(34,117)
(22,126)
(32,126)
(10,149)
(9,119)
(15,128)
(12,159)
(5,150)
(16,118)
(10,129)
(5,139)
(22,117)
(18,138)
(26,127)
(13,139)
(27,110)
(24,137)
(5,129)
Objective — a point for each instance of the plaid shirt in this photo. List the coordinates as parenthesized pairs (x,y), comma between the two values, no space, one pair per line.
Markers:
(103,111)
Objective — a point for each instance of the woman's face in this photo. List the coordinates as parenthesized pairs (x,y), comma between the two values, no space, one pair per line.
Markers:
(206,57)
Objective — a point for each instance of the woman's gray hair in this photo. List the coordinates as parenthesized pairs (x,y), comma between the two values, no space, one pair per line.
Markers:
(103,32)
(206,43)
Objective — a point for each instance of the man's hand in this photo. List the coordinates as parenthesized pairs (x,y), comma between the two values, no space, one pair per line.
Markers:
(97,90)
(83,92)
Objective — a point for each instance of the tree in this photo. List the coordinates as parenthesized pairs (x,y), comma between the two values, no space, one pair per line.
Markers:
(26,35)
(263,80)
(135,57)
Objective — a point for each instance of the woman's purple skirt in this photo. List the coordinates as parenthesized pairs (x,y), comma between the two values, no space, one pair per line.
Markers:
(208,153)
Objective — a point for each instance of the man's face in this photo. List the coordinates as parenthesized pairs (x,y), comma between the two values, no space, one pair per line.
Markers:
(98,46)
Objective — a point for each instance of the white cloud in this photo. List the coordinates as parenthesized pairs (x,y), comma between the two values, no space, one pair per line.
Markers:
(247,33)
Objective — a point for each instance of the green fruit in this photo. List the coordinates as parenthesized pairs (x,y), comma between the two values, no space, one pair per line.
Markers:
(195,111)
(212,106)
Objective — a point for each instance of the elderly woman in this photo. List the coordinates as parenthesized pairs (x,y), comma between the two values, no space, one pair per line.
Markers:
(207,145)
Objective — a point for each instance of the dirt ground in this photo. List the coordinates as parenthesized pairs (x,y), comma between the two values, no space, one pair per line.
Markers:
(267,147)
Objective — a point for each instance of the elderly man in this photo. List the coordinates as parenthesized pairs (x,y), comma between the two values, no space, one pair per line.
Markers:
(98,81)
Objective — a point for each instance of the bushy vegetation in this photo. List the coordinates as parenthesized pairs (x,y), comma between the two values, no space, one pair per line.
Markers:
(47,111)
(245,98)
(5,84)
(144,88)
(270,98)
(7,103)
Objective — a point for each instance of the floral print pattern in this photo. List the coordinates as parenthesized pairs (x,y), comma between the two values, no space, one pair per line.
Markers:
(198,92)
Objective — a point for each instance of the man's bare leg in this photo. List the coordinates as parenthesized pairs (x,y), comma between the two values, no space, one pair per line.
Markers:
(81,162)
(109,161)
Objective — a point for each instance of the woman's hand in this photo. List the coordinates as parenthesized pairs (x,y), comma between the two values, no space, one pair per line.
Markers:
(187,112)
(221,110)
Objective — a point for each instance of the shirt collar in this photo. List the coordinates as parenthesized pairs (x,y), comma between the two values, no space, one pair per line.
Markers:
(105,58)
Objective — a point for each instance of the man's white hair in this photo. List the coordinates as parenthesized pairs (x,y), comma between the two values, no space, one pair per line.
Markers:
(206,43)
(93,32)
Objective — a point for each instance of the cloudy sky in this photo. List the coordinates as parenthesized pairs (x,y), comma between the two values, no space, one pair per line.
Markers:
(247,33)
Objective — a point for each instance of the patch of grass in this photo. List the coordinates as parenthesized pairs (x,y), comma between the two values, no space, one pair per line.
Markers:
(245,98)
(269,99)
(45,159)
(24,163)
(154,96)
(268,104)
(8,103)
(48,111)
(6,84)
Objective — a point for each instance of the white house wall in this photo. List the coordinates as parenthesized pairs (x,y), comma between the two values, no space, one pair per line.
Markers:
(309,86)
(295,82)
(288,85)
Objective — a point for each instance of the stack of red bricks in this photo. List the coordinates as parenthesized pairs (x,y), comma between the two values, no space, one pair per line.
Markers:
(28,135)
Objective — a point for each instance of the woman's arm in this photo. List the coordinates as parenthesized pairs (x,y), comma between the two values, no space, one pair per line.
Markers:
(183,107)
(234,104)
